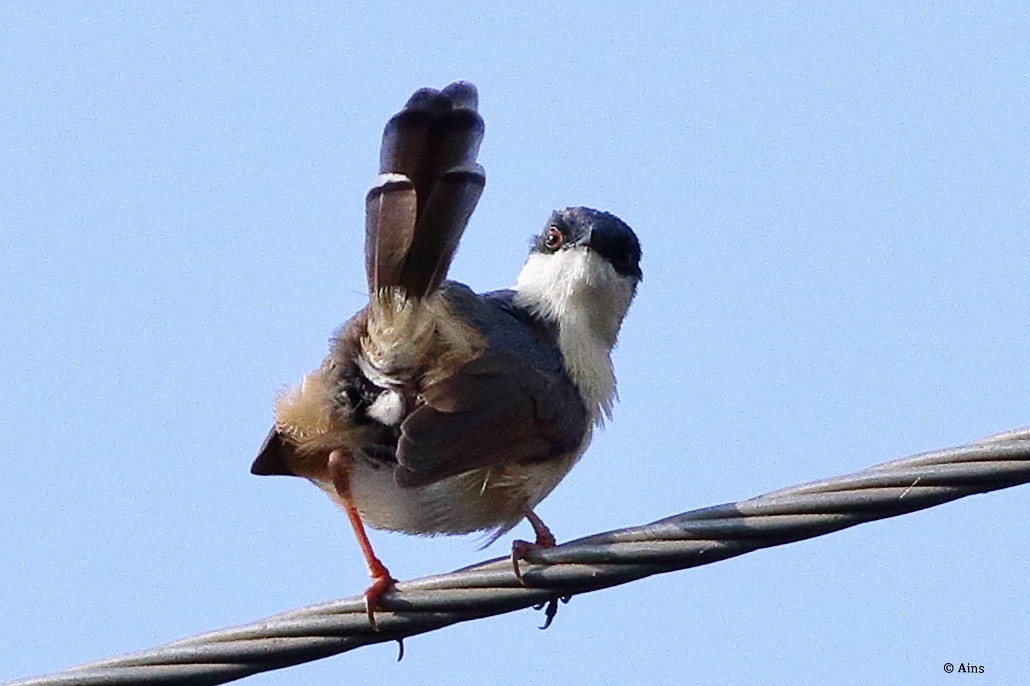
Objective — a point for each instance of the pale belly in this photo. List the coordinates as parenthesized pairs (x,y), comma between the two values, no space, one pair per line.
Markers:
(490,499)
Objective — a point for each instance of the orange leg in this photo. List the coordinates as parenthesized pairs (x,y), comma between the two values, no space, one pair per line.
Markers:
(521,550)
(381,579)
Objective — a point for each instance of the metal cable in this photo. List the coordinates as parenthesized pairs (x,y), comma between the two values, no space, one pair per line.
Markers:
(608,559)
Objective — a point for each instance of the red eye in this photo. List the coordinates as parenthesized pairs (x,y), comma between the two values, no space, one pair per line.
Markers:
(553,238)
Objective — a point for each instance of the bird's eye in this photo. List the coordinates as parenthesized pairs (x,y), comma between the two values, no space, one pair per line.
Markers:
(553,238)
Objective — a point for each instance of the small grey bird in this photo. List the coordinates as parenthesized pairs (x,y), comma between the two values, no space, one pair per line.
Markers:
(444,411)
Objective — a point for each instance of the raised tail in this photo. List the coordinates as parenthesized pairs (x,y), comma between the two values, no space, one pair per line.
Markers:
(428,186)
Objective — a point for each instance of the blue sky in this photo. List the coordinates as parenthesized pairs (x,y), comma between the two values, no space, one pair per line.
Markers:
(833,205)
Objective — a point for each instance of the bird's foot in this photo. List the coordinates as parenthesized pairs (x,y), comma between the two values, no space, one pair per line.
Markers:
(522,550)
(550,608)
(381,583)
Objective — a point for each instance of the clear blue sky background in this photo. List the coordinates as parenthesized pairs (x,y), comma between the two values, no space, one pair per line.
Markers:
(834,209)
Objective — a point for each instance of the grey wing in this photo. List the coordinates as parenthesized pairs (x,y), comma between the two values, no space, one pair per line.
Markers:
(500,408)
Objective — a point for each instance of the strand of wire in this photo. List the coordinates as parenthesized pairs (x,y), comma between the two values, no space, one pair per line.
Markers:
(600,561)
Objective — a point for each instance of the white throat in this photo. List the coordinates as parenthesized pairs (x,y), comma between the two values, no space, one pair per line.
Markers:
(580,291)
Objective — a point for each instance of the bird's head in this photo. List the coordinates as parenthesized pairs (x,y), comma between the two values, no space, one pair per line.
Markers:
(584,267)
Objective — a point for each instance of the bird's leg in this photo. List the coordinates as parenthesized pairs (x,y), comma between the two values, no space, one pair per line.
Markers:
(521,550)
(381,579)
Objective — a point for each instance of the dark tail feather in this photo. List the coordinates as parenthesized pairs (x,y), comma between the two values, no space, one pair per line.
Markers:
(274,457)
(428,186)
(440,225)
(390,220)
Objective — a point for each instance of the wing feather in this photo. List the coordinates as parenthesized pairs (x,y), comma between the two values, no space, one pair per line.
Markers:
(497,410)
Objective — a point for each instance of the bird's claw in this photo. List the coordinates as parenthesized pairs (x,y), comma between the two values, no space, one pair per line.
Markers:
(550,609)
(521,550)
(381,583)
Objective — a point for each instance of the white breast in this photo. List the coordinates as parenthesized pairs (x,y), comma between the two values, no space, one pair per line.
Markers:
(581,292)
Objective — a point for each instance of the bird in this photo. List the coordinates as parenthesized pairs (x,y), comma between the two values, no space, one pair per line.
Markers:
(439,410)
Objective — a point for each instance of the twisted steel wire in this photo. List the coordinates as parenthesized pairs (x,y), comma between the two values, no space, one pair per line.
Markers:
(599,561)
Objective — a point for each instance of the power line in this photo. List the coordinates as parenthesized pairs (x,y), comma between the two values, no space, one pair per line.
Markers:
(686,540)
